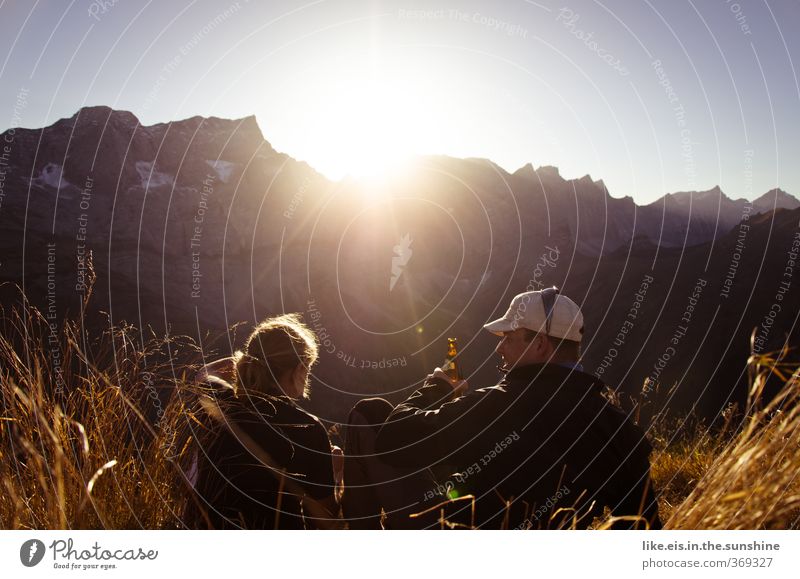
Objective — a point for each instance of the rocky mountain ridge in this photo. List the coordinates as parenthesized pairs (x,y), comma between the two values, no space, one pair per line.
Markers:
(199,224)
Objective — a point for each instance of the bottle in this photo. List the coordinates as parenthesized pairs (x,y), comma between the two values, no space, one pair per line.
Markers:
(451,364)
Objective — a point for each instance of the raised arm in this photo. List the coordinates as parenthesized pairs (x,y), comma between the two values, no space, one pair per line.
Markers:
(429,426)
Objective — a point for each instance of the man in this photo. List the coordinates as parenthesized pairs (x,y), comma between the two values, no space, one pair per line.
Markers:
(541,449)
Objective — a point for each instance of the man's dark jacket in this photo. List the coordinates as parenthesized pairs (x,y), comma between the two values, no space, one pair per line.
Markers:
(541,440)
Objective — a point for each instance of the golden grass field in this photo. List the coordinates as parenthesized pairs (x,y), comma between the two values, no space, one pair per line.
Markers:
(103,452)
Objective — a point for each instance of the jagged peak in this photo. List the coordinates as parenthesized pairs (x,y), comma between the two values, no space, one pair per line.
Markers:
(776,192)
(251,123)
(548,171)
(685,196)
(776,198)
(715,191)
(243,124)
(103,113)
(524,171)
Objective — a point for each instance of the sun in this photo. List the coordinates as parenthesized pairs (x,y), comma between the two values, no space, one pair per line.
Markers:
(366,130)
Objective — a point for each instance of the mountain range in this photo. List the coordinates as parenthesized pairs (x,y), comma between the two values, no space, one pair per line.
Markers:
(199,224)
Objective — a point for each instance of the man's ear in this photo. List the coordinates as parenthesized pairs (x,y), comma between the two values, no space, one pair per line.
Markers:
(543,343)
(548,345)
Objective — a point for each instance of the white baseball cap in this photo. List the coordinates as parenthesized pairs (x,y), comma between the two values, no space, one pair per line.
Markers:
(530,310)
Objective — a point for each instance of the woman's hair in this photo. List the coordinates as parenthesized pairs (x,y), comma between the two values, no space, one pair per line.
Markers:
(276,346)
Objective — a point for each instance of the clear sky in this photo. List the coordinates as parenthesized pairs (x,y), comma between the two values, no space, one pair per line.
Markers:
(654,96)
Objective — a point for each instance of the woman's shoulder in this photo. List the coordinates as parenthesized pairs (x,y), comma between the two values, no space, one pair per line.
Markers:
(288,411)
(298,422)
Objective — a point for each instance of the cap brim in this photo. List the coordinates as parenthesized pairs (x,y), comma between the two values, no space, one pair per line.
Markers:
(498,327)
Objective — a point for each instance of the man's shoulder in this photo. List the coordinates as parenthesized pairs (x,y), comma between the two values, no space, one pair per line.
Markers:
(540,380)
(555,375)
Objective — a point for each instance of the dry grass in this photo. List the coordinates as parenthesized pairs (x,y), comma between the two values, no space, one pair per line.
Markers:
(94,444)
(80,443)
(684,451)
(752,481)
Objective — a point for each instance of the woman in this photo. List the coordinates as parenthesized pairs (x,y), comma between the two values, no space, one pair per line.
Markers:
(262,462)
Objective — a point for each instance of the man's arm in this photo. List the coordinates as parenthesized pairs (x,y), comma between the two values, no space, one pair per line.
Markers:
(427,427)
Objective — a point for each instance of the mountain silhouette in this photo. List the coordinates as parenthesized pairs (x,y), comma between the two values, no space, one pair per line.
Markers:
(201,223)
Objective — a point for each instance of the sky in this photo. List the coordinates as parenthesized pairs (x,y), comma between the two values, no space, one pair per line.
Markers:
(651,96)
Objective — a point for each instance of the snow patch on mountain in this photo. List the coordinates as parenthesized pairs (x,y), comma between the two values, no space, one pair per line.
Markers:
(51,175)
(151,178)
(224,169)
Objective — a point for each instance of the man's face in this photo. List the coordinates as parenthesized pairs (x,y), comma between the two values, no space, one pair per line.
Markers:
(517,351)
